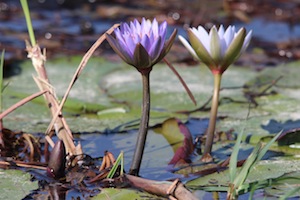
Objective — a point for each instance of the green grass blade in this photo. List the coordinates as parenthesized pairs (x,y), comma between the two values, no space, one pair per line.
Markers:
(290,193)
(234,157)
(251,160)
(267,146)
(122,164)
(116,165)
(28,21)
(254,157)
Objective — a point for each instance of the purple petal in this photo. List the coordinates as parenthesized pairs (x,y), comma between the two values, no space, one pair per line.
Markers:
(155,27)
(119,49)
(129,44)
(124,28)
(146,43)
(145,27)
(163,30)
(119,35)
(167,46)
(156,48)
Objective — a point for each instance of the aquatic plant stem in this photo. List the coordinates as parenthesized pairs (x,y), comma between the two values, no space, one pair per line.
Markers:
(1,88)
(143,129)
(38,61)
(213,116)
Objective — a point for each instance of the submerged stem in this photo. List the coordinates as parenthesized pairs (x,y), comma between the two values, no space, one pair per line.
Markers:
(213,115)
(142,135)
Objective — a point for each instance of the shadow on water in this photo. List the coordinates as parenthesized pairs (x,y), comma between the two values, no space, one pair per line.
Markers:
(275,126)
(12,69)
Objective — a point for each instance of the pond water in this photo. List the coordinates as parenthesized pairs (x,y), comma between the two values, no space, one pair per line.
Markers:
(272,31)
(63,28)
(68,31)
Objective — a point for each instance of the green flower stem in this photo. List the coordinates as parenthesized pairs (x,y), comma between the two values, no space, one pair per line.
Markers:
(142,135)
(213,114)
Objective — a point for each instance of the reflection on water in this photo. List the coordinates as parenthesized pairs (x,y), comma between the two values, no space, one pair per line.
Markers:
(272,31)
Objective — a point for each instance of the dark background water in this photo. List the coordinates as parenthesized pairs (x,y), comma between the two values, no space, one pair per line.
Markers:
(68,27)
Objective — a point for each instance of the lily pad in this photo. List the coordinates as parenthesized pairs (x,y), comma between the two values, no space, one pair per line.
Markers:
(125,194)
(107,112)
(15,184)
(287,185)
(107,97)
(278,104)
(260,174)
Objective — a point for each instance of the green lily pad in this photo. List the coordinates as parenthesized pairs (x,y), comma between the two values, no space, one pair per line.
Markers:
(15,184)
(104,111)
(167,92)
(287,185)
(107,96)
(260,174)
(125,194)
(278,104)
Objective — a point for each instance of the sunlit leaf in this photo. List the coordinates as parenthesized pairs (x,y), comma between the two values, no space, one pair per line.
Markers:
(124,194)
(180,138)
(260,174)
(15,184)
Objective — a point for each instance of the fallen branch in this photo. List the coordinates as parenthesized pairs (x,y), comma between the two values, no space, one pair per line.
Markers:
(22,164)
(172,190)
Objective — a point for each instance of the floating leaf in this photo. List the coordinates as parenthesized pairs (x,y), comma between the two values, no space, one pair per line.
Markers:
(124,194)
(15,184)
(180,138)
(260,174)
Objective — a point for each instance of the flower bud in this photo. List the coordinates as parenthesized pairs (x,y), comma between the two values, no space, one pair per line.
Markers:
(57,161)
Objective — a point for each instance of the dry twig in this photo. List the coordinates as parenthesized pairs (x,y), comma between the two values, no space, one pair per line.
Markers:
(162,188)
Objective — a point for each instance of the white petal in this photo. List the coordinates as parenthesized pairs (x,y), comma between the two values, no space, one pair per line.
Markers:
(247,41)
(203,36)
(223,42)
(215,45)
(221,31)
(229,35)
(188,46)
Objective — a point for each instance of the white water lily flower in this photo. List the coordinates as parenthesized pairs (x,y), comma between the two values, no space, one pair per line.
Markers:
(217,48)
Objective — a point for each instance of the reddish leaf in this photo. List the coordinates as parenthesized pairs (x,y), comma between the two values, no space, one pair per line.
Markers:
(179,136)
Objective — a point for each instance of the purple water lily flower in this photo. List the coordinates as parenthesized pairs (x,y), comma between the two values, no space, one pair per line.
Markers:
(143,44)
